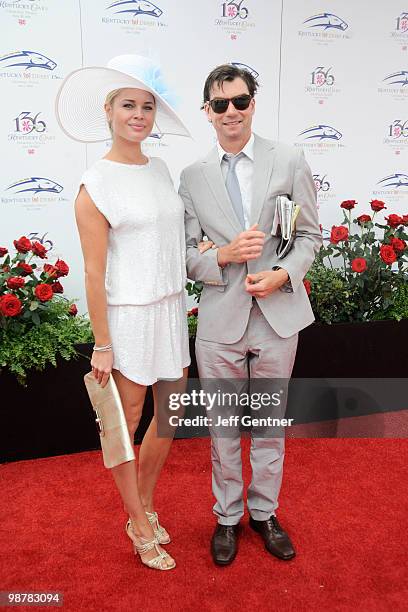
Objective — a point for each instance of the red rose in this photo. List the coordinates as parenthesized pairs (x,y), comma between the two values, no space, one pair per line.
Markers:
(338,233)
(308,286)
(15,282)
(62,268)
(394,220)
(23,245)
(363,219)
(377,205)
(388,254)
(405,219)
(348,204)
(24,268)
(50,270)
(10,305)
(3,251)
(57,287)
(73,310)
(43,292)
(39,250)
(398,244)
(359,265)
(194,312)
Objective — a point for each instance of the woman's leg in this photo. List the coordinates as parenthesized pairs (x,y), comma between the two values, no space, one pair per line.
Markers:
(125,475)
(155,448)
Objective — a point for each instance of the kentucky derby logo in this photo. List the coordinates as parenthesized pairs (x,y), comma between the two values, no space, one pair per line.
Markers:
(33,193)
(395,85)
(396,180)
(325,27)
(402,23)
(397,136)
(234,10)
(34,185)
(27,60)
(326,21)
(252,71)
(393,187)
(320,139)
(30,131)
(324,189)
(320,83)
(23,11)
(397,78)
(322,76)
(26,124)
(134,16)
(398,129)
(234,18)
(321,132)
(321,183)
(133,8)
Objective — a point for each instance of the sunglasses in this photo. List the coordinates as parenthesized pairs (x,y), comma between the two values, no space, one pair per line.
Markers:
(220,105)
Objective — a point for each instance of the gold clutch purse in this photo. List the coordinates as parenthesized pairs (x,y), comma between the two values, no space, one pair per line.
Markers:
(116,445)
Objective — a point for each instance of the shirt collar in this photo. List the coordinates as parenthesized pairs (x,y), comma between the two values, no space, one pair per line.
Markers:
(248,149)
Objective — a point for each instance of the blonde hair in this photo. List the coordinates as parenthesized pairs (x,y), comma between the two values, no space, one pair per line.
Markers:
(109,100)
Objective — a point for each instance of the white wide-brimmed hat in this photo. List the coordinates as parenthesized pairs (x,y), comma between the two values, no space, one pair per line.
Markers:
(80,100)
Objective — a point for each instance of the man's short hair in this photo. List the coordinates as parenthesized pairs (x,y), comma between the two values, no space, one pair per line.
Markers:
(229,72)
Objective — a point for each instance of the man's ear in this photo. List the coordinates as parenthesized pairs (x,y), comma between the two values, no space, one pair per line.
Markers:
(207,111)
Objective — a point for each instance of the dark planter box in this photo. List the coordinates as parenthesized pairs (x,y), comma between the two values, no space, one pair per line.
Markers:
(53,416)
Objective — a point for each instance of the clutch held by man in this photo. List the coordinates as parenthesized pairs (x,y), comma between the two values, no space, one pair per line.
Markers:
(284,224)
(116,444)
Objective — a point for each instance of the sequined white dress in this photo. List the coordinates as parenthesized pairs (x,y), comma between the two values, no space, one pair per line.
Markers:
(146,274)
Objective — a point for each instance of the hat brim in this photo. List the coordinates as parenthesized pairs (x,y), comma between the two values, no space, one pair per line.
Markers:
(79,106)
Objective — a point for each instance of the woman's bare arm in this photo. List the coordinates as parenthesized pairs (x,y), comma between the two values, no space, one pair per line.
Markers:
(93,232)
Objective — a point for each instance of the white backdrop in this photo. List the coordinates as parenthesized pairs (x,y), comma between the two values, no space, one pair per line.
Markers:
(334,80)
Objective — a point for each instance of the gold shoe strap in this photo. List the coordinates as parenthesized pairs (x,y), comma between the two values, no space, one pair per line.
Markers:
(153,518)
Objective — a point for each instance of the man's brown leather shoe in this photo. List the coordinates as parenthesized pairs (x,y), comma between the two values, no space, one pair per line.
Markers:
(224,544)
(277,541)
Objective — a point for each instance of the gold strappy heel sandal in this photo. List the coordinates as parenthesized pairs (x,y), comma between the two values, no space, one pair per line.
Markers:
(143,545)
(159,531)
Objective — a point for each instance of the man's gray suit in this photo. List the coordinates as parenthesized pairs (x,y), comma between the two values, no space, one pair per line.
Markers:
(229,317)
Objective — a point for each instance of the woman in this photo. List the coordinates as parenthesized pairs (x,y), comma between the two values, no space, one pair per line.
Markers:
(130,221)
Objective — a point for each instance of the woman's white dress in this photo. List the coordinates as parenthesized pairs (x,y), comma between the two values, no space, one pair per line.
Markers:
(146,274)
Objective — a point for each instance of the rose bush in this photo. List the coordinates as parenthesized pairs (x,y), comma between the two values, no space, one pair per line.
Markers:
(362,268)
(36,322)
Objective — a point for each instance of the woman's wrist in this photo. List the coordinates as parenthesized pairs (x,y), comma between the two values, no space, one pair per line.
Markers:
(102,347)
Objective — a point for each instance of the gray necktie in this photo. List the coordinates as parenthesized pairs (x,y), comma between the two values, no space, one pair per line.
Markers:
(232,185)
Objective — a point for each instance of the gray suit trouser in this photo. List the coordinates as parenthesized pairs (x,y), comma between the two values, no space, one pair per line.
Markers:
(259,354)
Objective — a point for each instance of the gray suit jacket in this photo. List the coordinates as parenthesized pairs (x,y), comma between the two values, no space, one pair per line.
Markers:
(225,305)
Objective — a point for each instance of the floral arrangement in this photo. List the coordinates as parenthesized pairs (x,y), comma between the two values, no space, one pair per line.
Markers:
(362,272)
(36,321)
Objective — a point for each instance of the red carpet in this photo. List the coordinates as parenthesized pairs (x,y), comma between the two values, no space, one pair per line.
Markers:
(344,502)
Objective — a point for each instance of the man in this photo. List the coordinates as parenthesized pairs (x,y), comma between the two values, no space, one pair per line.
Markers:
(252,305)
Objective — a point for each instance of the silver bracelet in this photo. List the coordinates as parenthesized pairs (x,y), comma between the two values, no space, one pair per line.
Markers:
(107,347)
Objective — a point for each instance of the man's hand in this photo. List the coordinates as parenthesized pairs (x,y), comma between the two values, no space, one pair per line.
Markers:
(205,245)
(247,245)
(264,283)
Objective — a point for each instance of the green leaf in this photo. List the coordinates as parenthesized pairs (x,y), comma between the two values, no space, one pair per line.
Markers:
(35,318)
(34,306)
